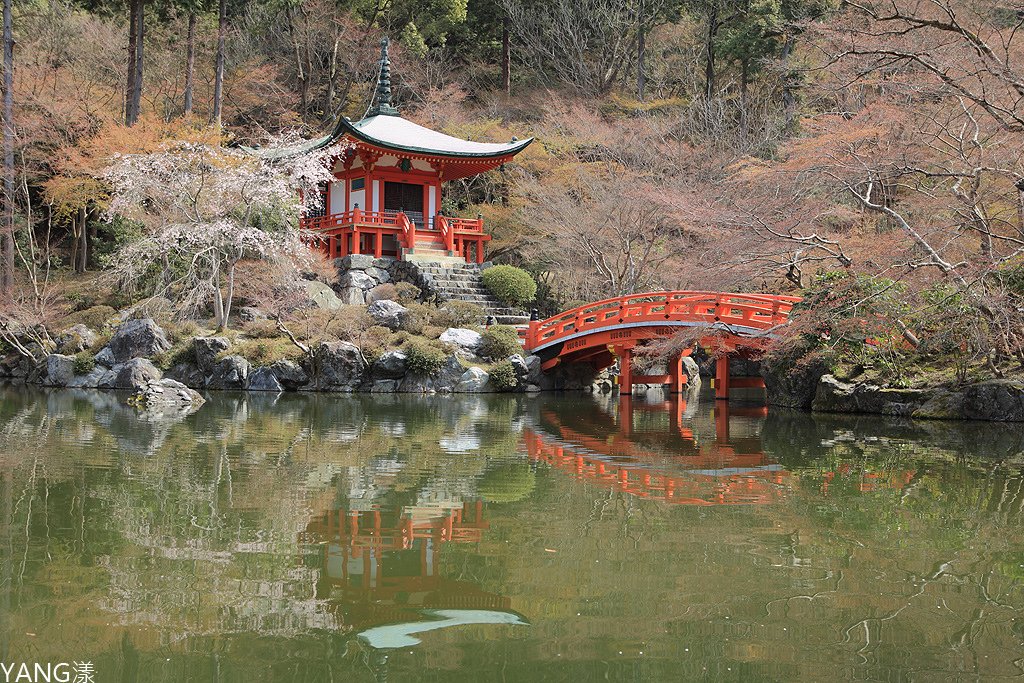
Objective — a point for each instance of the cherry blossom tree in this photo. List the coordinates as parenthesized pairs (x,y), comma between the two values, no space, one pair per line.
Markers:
(206,207)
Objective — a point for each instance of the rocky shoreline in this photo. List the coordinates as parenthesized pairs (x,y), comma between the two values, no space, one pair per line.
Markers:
(815,389)
(128,362)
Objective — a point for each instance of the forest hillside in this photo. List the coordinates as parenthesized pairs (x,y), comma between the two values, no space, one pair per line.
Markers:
(864,154)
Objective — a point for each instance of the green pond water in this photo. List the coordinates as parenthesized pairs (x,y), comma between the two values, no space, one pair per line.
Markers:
(558,538)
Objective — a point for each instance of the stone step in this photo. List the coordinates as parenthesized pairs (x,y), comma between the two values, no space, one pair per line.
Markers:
(514,320)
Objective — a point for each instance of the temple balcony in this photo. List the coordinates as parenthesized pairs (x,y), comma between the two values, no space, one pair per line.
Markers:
(398,234)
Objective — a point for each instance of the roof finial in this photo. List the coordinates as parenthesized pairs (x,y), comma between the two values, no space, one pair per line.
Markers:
(383,96)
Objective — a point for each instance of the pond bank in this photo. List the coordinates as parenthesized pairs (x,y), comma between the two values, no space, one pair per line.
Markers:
(132,358)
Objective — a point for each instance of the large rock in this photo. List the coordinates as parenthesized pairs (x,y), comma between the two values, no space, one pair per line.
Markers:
(105,357)
(473,380)
(379,274)
(207,349)
(166,398)
(76,338)
(390,314)
(135,373)
(356,262)
(835,396)
(230,372)
(998,399)
(533,364)
(140,338)
(289,374)
(97,378)
(791,381)
(60,370)
(264,379)
(443,381)
(521,368)
(692,372)
(338,366)
(189,374)
(390,365)
(358,278)
(352,296)
(466,342)
(321,295)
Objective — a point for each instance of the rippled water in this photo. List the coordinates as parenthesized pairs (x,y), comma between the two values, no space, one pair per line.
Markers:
(334,538)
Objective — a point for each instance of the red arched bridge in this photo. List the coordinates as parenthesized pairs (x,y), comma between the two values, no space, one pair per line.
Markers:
(602,331)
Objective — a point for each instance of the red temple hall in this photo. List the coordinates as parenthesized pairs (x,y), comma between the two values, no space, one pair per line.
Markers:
(386,200)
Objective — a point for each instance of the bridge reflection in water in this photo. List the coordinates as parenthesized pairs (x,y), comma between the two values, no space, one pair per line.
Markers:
(692,471)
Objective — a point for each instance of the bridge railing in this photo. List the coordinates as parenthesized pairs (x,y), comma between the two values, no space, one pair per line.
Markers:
(750,313)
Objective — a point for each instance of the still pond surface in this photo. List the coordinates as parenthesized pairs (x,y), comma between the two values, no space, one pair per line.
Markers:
(334,538)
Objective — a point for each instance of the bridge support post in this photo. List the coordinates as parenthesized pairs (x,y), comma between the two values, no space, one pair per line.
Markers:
(722,378)
(625,355)
(678,376)
(722,423)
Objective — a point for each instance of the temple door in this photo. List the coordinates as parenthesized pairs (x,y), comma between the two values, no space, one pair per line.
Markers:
(405,197)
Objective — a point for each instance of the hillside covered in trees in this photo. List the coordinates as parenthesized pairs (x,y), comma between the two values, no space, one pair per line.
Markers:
(863,154)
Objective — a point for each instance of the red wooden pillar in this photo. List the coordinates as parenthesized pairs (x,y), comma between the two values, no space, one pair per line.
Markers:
(722,423)
(679,378)
(479,251)
(625,370)
(378,245)
(625,414)
(722,378)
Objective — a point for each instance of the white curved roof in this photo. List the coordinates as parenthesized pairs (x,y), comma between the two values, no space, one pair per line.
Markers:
(397,133)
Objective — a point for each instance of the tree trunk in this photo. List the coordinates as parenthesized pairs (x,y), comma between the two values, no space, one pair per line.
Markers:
(788,94)
(8,123)
(332,76)
(135,75)
(133,19)
(190,62)
(218,81)
(83,249)
(506,56)
(641,54)
(744,82)
(709,48)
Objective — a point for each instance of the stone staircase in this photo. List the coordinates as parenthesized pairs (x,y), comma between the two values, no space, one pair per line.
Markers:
(452,279)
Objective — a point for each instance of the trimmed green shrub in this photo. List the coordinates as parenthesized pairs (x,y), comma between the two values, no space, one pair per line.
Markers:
(84,363)
(500,341)
(503,376)
(424,358)
(510,285)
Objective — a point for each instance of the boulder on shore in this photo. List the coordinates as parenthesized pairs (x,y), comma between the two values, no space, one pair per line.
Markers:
(60,370)
(206,350)
(75,339)
(230,372)
(338,366)
(264,379)
(390,365)
(139,338)
(466,342)
(166,398)
(135,374)
(473,381)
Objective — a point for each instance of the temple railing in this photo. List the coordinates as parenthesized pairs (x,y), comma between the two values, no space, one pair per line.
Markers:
(338,232)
